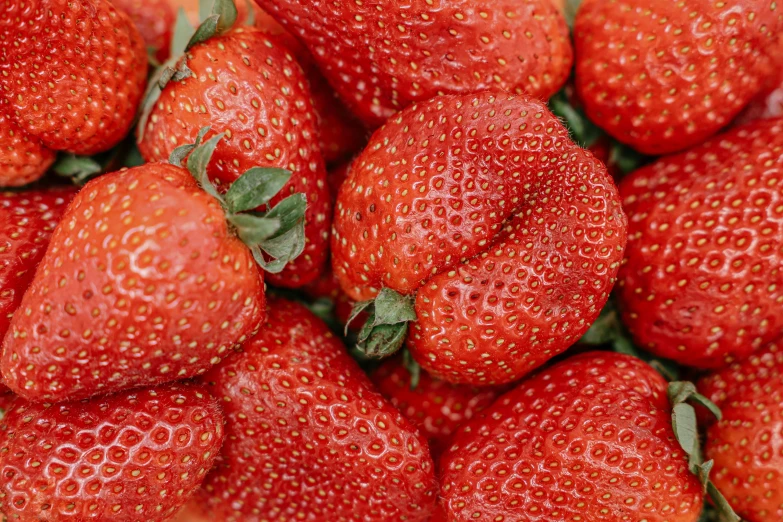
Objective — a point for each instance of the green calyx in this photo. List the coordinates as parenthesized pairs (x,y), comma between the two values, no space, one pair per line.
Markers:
(276,235)
(387,325)
(681,395)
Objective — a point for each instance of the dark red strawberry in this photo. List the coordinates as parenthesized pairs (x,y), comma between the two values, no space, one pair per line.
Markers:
(308,438)
(588,439)
(383,55)
(247,85)
(22,158)
(154,20)
(27,220)
(436,407)
(508,234)
(72,72)
(747,444)
(138,455)
(146,280)
(702,280)
(663,76)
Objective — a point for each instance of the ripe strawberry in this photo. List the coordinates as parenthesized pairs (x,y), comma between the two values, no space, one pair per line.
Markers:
(138,455)
(746,444)
(381,56)
(154,19)
(508,234)
(144,282)
(72,72)
(27,220)
(247,85)
(436,407)
(664,76)
(587,439)
(22,158)
(702,281)
(307,437)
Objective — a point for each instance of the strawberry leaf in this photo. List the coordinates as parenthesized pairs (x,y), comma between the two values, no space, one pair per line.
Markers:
(725,512)
(687,432)
(386,328)
(183,30)
(252,230)
(227,11)
(223,18)
(204,32)
(683,391)
(199,159)
(78,168)
(256,187)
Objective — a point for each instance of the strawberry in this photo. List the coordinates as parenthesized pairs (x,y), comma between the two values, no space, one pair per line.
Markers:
(663,76)
(746,445)
(587,439)
(27,220)
(145,280)
(72,73)
(307,437)
(138,455)
(482,211)
(154,20)
(256,95)
(769,104)
(381,56)
(22,158)
(702,282)
(436,407)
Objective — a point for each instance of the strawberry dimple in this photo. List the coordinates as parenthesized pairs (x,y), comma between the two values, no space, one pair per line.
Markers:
(663,77)
(702,283)
(249,87)
(511,234)
(134,456)
(123,298)
(590,438)
(73,72)
(383,55)
(308,438)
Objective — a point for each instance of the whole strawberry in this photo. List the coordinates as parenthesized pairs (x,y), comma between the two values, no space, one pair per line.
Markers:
(138,455)
(27,220)
(746,444)
(381,56)
(480,208)
(147,279)
(702,280)
(663,76)
(308,438)
(588,439)
(436,407)
(72,74)
(22,158)
(245,84)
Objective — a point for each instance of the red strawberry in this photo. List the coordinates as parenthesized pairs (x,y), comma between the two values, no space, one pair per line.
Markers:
(587,439)
(22,158)
(134,456)
(27,220)
(308,438)
(663,76)
(154,20)
(72,72)
(245,84)
(436,407)
(747,444)
(381,56)
(144,282)
(508,233)
(702,280)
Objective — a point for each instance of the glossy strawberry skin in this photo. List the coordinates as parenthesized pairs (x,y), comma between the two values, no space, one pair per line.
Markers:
(138,455)
(72,72)
(155,20)
(27,220)
(664,76)
(22,158)
(297,406)
(589,438)
(381,56)
(746,444)
(142,284)
(702,282)
(509,234)
(436,407)
(263,107)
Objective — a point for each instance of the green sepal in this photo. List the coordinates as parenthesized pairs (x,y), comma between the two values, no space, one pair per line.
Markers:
(204,32)
(582,129)
(199,158)
(291,213)
(683,391)
(222,18)
(722,506)
(250,20)
(255,187)
(252,230)
(414,369)
(686,432)
(385,330)
(78,168)
(183,30)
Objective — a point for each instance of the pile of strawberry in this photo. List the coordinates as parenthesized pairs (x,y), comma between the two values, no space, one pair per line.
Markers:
(380,260)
